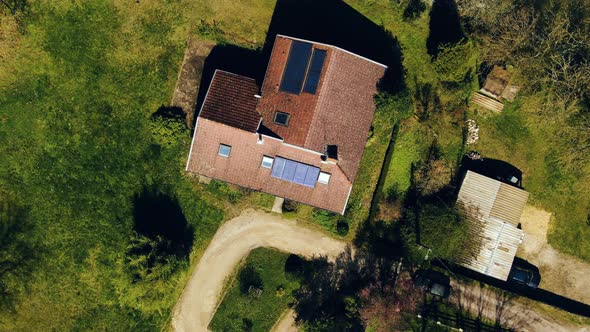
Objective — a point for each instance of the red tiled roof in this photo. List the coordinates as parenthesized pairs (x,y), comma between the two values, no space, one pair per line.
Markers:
(243,166)
(230,100)
(340,112)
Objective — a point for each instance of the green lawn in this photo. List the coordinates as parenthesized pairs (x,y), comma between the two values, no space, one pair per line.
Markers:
(261,312)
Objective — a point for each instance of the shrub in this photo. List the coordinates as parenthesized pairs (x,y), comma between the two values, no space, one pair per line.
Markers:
(290,206)
(249,278)
(323,216)
(414,9)
(342,227)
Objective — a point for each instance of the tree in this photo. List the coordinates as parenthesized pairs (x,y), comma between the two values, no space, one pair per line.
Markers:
(385,305)
(432,175)
(345,295)
(168,126)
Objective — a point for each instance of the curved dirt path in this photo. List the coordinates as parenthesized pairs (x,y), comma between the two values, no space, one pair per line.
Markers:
(234,240)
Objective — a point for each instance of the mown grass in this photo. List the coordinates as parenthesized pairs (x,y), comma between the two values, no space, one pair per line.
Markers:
(237,308)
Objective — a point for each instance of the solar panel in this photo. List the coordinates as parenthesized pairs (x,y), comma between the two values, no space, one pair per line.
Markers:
(289,171)
(294,73)
(300,173)
(295,172)
(315,69)
(277,167)
(311,177)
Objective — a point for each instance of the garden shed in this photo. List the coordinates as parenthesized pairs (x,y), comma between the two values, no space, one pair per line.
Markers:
(492,209)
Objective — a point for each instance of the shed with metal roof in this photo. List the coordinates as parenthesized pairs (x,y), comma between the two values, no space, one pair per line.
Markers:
(493,210)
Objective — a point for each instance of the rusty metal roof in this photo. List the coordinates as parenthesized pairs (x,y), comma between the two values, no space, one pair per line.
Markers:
(493,210)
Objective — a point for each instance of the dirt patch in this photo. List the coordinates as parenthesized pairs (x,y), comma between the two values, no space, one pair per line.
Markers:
(189,78)
(286,323)
(560,273)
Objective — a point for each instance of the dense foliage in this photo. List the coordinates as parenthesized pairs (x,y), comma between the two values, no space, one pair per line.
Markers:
(352,293)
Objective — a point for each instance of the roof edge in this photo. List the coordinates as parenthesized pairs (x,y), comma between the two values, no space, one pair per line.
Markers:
(333,46)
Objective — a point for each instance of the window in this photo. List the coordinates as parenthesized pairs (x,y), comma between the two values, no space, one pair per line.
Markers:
(224,150)
(267,162)
(281,118)
(324,178)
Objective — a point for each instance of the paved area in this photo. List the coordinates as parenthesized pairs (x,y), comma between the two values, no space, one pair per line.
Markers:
(189,77)
(278,205)
(286,323)
(233,241)
(560,273)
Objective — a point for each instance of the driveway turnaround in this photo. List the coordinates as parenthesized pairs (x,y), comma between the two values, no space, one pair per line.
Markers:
(232,242)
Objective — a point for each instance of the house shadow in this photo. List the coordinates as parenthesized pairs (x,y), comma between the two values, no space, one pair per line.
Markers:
(233,59)
(328,21)
(336,23)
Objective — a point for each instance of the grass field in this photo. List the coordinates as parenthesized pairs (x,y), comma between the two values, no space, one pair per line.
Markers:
(238,310)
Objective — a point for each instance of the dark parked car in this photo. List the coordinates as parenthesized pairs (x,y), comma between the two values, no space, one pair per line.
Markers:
(524,273)
(433,282)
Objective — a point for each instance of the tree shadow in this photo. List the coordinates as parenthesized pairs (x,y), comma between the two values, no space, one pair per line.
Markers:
(445,26)
(159,217)
(19,252)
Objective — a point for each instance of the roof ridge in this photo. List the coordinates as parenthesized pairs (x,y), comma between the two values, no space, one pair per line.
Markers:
(234,74)
(333,46)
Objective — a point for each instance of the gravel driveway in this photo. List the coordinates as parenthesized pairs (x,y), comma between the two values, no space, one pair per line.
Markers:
(233,241)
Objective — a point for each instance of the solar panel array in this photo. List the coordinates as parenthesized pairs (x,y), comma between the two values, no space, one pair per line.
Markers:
(295,172)
(296,65)
(315,69)
(297,68)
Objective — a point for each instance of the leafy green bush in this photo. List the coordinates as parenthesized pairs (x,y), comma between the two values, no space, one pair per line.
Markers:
(290,206)
(455,64)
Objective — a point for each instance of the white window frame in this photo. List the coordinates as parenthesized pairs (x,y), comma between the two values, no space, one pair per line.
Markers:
(219,150)
(324,178)
(266,159)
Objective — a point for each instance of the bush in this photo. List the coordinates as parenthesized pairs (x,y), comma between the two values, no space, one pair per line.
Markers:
(290,206)
(342,227)
(414,9)
(249,278)
(323,216)
(168,126)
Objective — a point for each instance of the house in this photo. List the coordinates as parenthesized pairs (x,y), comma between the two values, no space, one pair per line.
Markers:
(493,210)
(496,89)
(301,135)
